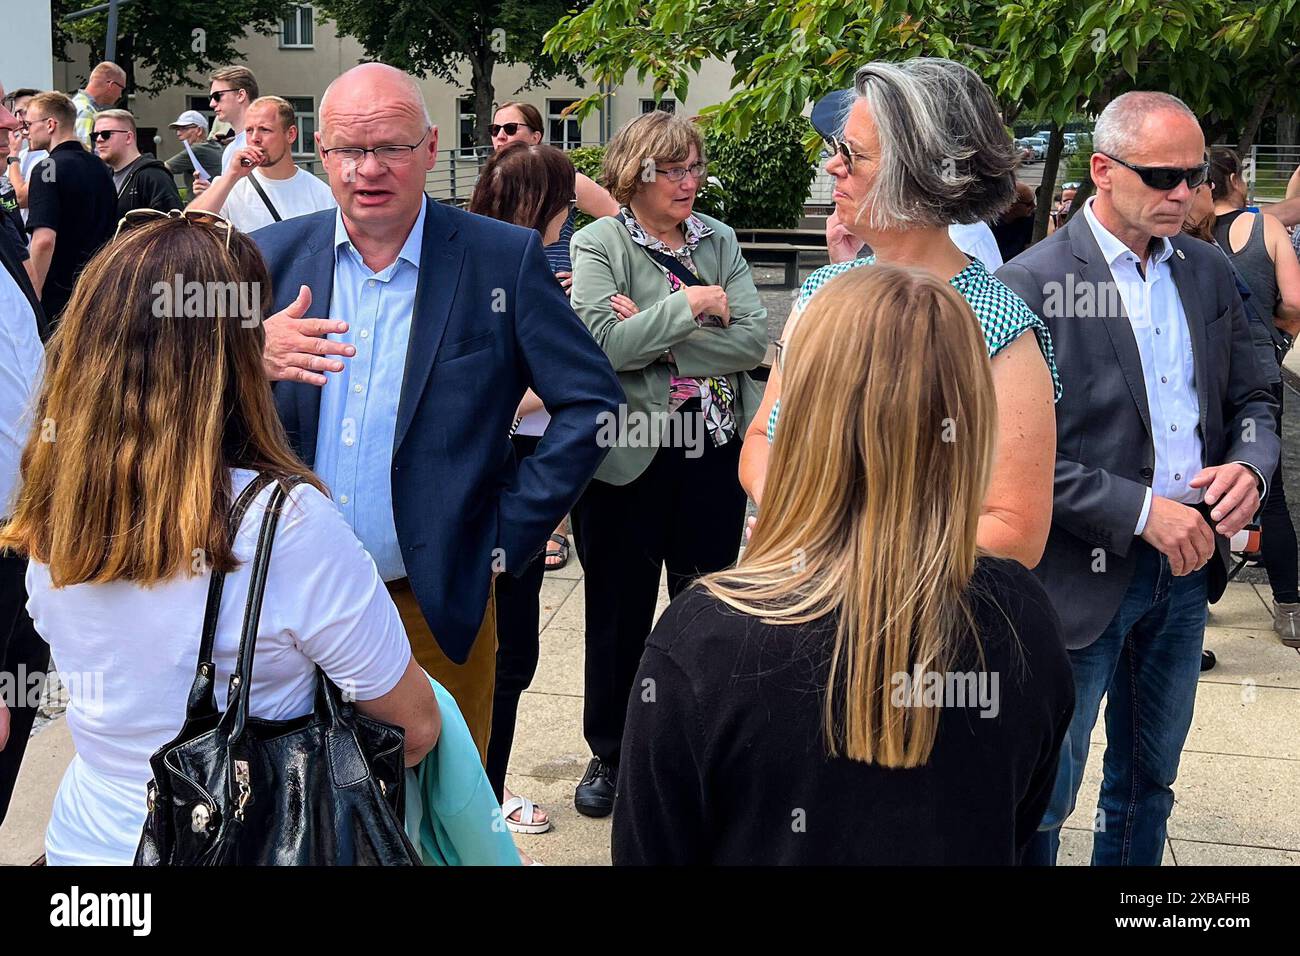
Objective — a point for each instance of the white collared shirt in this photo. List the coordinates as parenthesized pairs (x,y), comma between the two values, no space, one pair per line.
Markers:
(1164,344)
(22,363)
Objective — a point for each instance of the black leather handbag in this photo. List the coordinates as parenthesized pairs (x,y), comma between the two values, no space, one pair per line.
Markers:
(322,789)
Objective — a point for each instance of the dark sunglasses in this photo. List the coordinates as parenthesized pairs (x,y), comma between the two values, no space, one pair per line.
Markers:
(218,94)
(102,134)
(837,147)
(1166,178)
(510,128)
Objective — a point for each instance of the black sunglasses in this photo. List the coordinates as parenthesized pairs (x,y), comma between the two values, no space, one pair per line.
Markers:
(510,128)
(836,146)
(103,134)
(1166,178)
(218,94)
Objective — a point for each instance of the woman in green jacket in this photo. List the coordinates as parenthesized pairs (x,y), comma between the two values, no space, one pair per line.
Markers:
(667,294)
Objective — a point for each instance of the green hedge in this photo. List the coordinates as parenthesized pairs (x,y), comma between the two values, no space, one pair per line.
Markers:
(763,180)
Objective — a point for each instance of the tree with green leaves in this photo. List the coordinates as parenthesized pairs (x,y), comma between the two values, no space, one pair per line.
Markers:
(1046,60)
(176,43)
(440,37)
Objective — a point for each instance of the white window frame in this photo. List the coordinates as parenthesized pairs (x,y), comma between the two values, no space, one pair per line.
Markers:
(305,146)
(553,116)
(302,12)
(463,114)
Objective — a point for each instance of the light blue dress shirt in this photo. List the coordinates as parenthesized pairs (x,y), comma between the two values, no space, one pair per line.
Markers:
(358,406)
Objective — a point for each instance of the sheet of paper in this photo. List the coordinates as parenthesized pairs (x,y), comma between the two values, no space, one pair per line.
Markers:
(199,171)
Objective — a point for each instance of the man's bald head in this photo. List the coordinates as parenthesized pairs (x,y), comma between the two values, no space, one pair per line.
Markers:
(373,85)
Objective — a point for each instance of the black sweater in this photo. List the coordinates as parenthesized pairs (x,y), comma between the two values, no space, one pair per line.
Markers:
(723,759)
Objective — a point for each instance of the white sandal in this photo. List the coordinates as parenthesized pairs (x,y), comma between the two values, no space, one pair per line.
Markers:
(525,808)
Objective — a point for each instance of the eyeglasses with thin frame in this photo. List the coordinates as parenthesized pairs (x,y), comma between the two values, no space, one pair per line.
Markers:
(1166,178)
(103,134)
(677,173)
(139,217)
(396,154)
(510,128)
(837,147)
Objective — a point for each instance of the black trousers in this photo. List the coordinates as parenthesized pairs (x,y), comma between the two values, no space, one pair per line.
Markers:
(22,654)
(1277,533)
(518,623)
(684,512)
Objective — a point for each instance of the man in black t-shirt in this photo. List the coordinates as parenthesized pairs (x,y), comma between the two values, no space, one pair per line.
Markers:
(72,205)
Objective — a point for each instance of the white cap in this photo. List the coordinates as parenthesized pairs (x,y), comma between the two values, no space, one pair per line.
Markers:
(191,118)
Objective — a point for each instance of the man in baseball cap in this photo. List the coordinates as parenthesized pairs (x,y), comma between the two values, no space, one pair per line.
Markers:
(192,127)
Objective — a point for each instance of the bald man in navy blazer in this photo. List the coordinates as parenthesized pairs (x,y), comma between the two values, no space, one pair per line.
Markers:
(436,322)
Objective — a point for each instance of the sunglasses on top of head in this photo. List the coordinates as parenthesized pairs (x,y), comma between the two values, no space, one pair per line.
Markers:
(509,128)
(1166,178)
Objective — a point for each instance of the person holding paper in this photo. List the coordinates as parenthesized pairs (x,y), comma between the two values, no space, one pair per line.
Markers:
(201,156)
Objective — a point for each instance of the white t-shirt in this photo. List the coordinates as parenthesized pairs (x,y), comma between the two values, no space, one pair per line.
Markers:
(297,196)
(22,360)
(977,239)
(127,655)
(239,142)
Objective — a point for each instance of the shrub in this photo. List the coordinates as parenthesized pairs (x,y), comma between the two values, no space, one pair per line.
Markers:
(759,182)
(765,176)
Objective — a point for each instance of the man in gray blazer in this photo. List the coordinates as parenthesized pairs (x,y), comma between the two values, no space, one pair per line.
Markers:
(1164,436)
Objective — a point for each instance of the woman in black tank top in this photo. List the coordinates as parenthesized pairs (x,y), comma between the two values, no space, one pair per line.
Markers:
(1258,246)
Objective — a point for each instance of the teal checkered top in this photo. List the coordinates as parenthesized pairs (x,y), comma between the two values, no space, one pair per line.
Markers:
(1002,314)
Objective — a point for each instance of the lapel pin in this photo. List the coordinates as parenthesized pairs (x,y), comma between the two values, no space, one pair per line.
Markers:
(1179,253)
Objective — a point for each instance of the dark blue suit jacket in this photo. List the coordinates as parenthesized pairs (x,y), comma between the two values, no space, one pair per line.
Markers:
(490,321)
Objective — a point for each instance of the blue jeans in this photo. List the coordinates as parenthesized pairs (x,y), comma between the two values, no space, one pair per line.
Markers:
(1147,663)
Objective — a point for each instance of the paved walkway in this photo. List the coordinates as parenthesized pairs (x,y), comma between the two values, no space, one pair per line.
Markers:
(1236,794)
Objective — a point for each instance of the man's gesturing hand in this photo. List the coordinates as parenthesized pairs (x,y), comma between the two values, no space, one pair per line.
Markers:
(296,349)
(1180,533)
(1232,494)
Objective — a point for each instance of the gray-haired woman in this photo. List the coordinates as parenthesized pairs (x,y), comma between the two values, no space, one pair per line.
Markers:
(922,146)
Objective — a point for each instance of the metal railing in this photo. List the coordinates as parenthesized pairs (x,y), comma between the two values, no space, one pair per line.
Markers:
(1267,170)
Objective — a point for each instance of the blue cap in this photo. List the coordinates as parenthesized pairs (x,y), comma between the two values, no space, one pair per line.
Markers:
(831,111)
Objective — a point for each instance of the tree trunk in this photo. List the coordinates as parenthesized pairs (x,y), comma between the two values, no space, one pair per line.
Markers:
(1256,117)
(482,65)
(1086,189)
(1050,165)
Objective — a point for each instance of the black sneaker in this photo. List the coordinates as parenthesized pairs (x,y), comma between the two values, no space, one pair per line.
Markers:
(594,796)
(1208,661)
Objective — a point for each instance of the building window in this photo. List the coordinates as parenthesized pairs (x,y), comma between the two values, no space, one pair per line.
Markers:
(563,131)
(304,117)
(668,106)
(468,120)
(201,104)
(296,29)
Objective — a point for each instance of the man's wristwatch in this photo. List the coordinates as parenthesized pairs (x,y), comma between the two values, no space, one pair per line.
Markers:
(13,159)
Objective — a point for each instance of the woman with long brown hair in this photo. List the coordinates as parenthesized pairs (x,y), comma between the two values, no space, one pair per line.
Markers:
(529,185)
(866,686)
(154,415)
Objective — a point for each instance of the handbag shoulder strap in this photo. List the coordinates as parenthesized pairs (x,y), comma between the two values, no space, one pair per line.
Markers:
(270,206)
(202,698)
(671,263)
(241,679)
